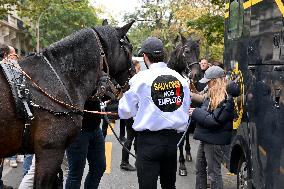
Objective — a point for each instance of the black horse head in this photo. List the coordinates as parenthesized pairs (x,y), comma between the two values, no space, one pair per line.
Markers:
(184,58)
(119,55)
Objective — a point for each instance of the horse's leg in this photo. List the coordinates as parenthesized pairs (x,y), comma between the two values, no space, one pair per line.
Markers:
(187,148)
(48,164)
(182,168)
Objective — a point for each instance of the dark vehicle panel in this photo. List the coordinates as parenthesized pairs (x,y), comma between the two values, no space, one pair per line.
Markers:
(254,57)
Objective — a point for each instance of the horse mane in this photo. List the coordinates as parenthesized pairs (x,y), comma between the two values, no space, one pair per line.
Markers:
(106,41)
(70,44)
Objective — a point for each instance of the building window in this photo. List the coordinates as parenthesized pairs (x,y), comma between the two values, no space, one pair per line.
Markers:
(236,19)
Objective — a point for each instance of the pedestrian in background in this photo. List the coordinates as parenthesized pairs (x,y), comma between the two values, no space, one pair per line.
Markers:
(204,64)
(131,134)
(200,94)
(7,53)
(89,145)
(122,128)
(217,63)
(214,128)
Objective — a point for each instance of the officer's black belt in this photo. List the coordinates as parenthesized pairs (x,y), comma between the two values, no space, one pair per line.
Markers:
(163,131)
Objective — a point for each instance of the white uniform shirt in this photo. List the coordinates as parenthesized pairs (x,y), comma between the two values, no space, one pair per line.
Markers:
(158,98)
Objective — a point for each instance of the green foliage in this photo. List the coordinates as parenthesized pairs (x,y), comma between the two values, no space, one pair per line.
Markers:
(6,6)
(57,18)
(220,3)
(62,21)
(136,36)
(166,18)
(154,18)
(211,26)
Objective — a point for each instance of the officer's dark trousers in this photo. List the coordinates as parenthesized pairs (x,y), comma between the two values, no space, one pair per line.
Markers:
(157,156)
(122,126)
(131,134)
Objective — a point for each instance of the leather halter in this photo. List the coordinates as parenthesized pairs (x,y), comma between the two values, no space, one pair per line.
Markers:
(187,72)
(116,89)
(192,85)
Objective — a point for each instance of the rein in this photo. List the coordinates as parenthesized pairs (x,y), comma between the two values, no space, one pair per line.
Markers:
(101,89)
(75,109)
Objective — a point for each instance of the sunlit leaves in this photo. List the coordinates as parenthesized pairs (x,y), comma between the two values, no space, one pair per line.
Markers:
(6,6)
(57,18)
(166,19)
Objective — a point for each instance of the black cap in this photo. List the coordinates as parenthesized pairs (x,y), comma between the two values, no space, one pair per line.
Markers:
(151,45)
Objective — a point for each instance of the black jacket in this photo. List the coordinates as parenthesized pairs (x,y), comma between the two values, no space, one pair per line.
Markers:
(214,127)
(91,121)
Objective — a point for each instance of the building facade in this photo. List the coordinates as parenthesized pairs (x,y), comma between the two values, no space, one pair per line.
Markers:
(12,33)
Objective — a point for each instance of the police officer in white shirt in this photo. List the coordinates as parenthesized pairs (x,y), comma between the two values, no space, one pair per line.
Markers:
(159,100)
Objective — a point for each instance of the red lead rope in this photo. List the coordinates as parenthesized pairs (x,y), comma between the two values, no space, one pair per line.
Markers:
(53,98)
(101,113)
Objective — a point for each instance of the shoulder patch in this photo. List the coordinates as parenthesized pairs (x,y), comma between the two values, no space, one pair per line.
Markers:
(167,93)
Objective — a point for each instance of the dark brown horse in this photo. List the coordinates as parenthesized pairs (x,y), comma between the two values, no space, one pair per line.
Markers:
(68,70)
(184,60)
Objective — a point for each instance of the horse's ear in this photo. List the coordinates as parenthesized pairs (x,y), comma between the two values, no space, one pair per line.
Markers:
(176,40)
(191,35)
(105,22)
(124,29)
(182,38)
(198,41)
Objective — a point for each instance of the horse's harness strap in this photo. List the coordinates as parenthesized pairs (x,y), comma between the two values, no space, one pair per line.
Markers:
(103,59)
(21,94)
(58,78)
(101,91)
(106,87)
(192,64)
(74,109)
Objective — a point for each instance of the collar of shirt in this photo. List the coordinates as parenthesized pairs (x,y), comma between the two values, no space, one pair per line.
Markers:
(158,65)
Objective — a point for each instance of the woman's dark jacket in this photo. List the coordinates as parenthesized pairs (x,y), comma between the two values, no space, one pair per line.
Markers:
(91,121)
(214,127)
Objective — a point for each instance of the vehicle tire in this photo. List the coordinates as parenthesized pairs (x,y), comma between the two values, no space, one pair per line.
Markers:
(243,174)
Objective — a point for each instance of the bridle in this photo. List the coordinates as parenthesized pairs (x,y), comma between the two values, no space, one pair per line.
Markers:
(110,83)
(104,66)
(187,73)
(188,70)
(124,43)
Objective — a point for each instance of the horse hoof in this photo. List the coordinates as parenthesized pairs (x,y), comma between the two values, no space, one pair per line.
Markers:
(188,158)
(182,172)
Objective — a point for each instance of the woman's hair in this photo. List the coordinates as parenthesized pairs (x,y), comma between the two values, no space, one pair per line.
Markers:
(4,51)
(217,92)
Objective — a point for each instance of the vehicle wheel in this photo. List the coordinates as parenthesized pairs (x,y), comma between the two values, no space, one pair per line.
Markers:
(243,174)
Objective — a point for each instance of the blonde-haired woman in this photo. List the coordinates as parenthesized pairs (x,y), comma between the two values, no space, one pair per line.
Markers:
(214,128)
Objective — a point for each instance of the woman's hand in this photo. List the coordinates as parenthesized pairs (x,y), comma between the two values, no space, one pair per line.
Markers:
(190,111)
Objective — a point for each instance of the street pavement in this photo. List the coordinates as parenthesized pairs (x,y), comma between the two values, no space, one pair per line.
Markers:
(115,178)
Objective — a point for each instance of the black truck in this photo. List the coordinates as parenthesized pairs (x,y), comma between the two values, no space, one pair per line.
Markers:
(254,57)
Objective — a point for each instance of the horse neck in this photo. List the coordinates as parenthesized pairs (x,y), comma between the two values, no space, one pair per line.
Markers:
(78,70)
